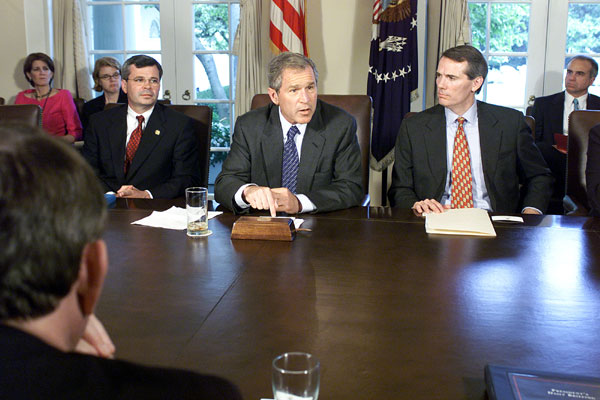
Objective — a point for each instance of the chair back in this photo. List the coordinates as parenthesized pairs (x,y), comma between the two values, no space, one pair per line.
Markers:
(202,116)
(1,101)
(357,105)
(79,102)
(580,123)
(27,114)
(530,121)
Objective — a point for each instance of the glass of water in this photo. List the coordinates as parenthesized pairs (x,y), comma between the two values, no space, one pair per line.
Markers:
(296,376)
(196,205)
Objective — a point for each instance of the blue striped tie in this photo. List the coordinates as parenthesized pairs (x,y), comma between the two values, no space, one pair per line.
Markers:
(575,105)
(289,172)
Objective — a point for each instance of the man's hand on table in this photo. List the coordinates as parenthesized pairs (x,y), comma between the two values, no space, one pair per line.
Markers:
(265,198)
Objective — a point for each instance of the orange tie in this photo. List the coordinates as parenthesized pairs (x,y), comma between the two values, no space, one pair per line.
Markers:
(133,143)
(462,184)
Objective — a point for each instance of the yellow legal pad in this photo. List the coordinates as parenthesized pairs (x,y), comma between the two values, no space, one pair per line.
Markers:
(461,221)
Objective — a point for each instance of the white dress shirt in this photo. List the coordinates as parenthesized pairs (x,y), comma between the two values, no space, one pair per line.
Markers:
(570,107)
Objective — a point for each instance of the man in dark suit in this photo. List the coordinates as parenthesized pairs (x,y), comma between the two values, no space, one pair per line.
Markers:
(317,169)
(52,268)
(143,149)
(551,115)
(499,155)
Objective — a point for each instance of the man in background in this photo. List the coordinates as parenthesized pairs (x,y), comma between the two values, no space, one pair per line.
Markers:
(464,153)
(295,155)
(52,268)
(551,115)
(143,149)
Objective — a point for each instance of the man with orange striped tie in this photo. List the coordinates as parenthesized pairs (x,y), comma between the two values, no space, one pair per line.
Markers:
(465,153)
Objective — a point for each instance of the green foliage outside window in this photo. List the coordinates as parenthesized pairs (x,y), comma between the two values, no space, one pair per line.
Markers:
(583,29)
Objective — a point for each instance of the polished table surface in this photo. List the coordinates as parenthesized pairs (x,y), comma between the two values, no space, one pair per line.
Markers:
(390,312)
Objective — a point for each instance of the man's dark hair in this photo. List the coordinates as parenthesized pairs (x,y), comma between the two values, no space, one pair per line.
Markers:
(594,70)
(477,66)
(288,60)
(51,206)
(140,61)
(28,65)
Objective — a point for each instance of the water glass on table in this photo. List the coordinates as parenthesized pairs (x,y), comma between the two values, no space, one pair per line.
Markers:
(296,376)
(196,205)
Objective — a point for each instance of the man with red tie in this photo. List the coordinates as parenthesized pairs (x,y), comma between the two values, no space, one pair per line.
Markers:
(143,149)
(467,153)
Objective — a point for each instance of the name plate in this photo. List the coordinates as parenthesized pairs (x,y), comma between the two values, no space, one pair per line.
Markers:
(264,228)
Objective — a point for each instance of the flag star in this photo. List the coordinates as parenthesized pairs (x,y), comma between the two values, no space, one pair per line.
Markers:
(370,69)
(394,75)
(402,73)
(413,23)
(378,77)
(386,77)
(409,69)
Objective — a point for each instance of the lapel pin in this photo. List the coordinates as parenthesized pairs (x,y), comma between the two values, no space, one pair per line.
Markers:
(157,132)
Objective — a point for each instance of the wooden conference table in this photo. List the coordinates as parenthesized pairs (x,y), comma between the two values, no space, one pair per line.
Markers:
(390,312)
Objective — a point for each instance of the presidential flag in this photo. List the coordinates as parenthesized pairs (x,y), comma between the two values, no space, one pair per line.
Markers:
(288,26)
(392,73)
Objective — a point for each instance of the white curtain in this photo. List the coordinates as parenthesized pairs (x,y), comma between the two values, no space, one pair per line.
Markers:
(448,26)
(70,48)
(250,74)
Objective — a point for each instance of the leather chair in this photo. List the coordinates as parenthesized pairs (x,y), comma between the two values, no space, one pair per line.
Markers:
(27,114)
(202,116)
(580,123)
(357,105)
(1,101)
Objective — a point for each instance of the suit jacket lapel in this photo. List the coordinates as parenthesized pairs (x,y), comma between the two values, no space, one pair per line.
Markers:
(435,145)
(150,138)
(490,137)
(557,117)
(271,144)
(312,146)
(117,136)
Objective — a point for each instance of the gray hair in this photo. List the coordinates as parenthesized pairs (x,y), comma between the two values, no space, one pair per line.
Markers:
(285,61)
(594,70)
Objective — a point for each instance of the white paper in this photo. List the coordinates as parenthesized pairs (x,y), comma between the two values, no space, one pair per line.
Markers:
(173,218)
(460,221)
(507,218)
(297,221)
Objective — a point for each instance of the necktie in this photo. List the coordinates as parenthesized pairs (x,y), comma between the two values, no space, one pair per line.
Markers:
(291,161)
(462,184)
(575,105)
(133,143)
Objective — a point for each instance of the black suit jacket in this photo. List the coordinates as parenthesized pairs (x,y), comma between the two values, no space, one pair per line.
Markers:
(96,105)
(330,164)
(548,113)
(167,159)
(592,171)
(508,154)
(31,369)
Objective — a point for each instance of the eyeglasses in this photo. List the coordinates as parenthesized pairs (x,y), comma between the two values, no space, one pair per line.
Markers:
(107,77)
(143,81)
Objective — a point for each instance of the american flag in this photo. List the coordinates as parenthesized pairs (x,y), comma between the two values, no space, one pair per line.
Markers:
(288,26)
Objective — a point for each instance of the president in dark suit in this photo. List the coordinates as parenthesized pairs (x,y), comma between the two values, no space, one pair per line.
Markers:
(143,149)
(551,115)
(494,149)
(298,154)
(52,268)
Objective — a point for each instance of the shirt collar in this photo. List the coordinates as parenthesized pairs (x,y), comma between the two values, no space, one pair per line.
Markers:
(470,115)
(569,99)
(286,125)
(133,114)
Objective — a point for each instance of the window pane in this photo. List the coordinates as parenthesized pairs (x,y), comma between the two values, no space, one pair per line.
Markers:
(220,124)
(583,29)
(211,27)
(478,16)
(106,27)
(506,80)
(118,56)
(509,27)
(142,27)
(211,76)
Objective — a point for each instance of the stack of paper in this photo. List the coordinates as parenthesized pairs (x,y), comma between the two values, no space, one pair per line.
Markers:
(461,221)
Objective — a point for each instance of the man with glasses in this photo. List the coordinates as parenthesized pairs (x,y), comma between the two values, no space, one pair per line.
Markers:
(143,149)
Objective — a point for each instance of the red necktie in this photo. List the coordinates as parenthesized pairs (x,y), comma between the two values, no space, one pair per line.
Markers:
(134,142)
(462,184)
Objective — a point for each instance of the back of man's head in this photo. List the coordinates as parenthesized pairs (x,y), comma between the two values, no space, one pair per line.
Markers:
(288,60)
(140,61)
(51,206)
(477,66)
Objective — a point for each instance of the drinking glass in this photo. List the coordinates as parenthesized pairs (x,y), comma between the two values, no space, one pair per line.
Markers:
(196,205)
(296,376)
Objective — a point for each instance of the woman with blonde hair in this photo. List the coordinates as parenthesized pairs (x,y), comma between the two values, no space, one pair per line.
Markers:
(107,79)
